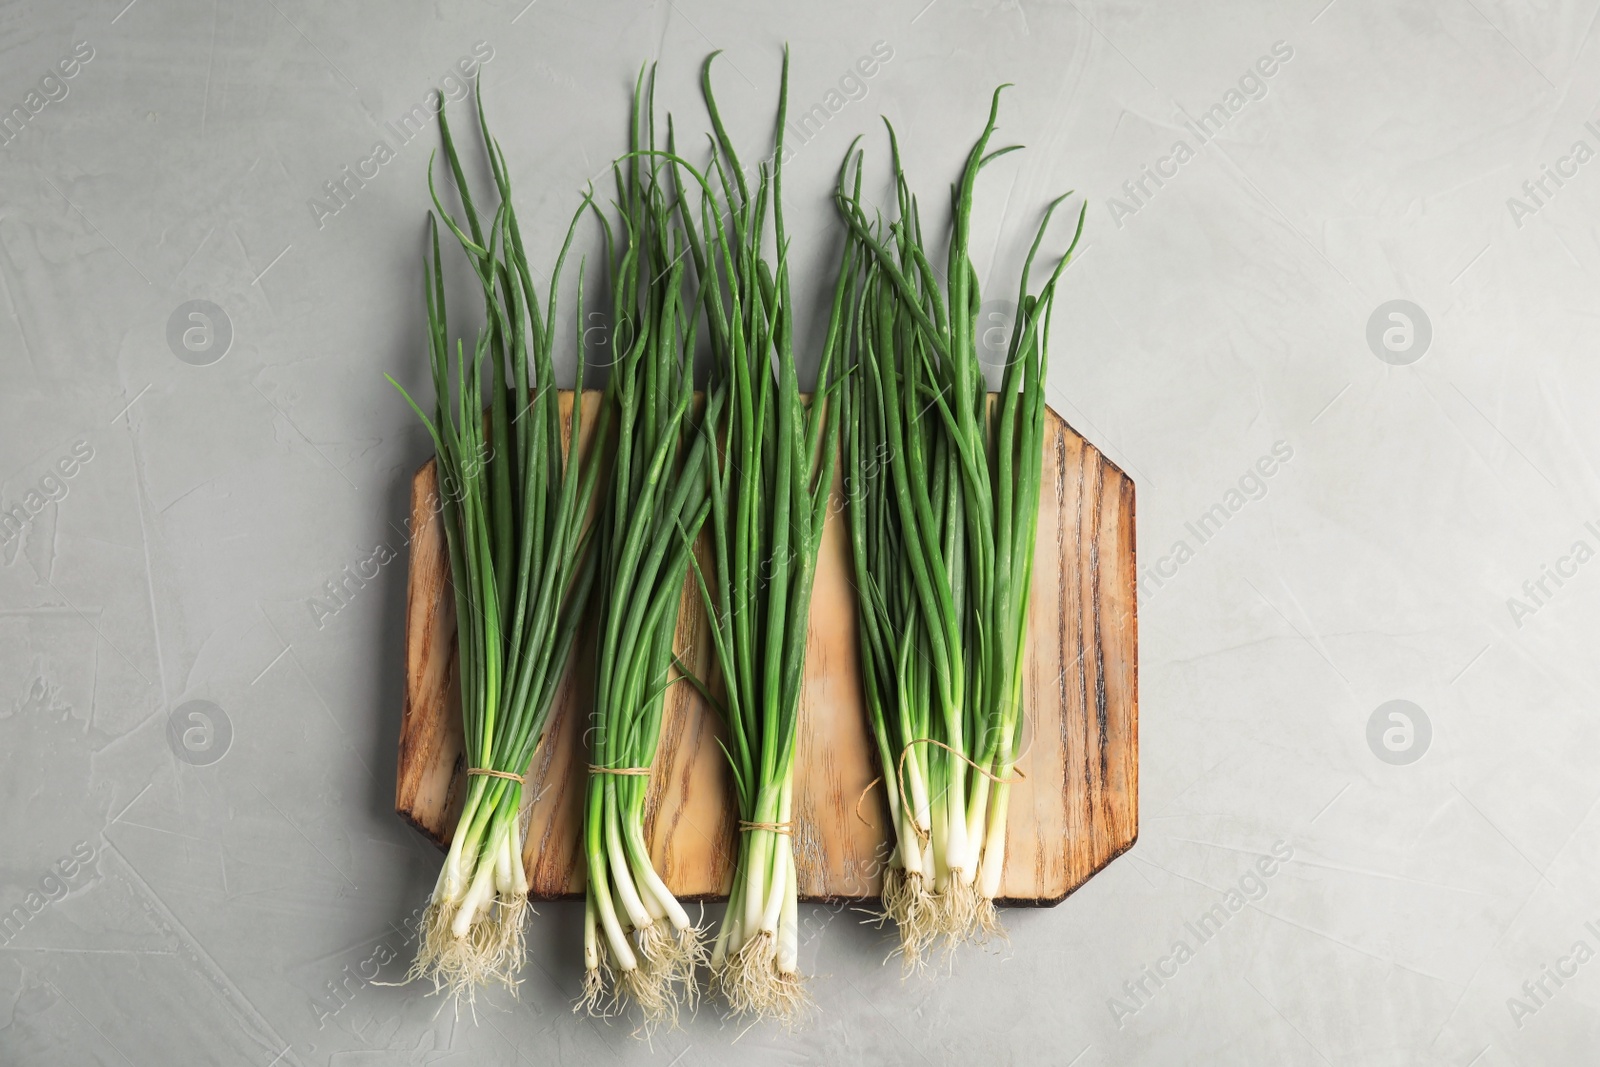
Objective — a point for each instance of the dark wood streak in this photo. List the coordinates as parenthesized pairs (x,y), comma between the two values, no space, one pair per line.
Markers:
(666,754)
(673,725)
(1084,645)
(544,757)
(696,737)
(1098,643)
(1063,646)
(429,736)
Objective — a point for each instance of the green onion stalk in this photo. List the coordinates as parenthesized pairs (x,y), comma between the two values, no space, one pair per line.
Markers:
(891,642)
(638,939)
(770,483)
(943,499)
(513,509)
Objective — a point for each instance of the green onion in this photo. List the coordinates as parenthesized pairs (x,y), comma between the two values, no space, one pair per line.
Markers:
(513,510)
(943,495)
(636,934)
(770,485)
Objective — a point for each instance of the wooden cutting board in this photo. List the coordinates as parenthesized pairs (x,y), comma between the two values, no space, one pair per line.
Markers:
(1075,811)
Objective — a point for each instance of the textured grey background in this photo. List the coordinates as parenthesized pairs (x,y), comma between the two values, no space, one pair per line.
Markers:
(231,910)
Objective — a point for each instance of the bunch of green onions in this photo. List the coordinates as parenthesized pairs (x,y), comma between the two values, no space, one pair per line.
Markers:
(513,509)
(656,507)
(769,489)
(943,487)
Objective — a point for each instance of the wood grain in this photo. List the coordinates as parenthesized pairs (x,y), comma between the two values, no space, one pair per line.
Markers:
(1075,810)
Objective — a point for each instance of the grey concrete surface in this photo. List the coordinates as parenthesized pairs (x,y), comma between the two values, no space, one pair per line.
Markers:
(198,860)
